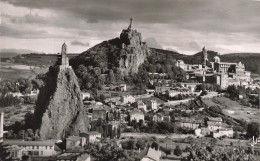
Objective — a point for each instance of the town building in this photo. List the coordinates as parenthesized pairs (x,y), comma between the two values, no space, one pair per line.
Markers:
(190,124)
(92,136)
(75,142)
(65,156)
(85,95)
(127,99)
(220,73)
(152,155)
(113,128)
(227,132)
(141,105)
(190,86)
(160,118)
(213,125)
(122,87)
(99,113)
(152,104)
(15,152)
(136,115)
(30,148)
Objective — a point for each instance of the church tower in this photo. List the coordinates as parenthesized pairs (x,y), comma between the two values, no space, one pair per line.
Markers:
(1,125)
(63,60)
(204,56)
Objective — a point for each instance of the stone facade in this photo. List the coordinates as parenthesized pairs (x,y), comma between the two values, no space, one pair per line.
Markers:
(1,125)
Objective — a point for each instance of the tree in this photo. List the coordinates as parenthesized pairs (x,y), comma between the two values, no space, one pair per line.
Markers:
(102,97)
(4,154)
(253,129)
(167,151)
(111,77)
(177,151)
(155,145)
(131,144)
(140,144)
(233,92)
(215,109)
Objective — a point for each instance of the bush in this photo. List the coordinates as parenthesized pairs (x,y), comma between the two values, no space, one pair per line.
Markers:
(29,100)
(177,151)
(9,100)
(253,129)
(155,145)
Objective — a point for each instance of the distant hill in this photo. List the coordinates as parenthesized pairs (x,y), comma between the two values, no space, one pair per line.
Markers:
(251,60)
(9,53)
(124,59)
(34,59)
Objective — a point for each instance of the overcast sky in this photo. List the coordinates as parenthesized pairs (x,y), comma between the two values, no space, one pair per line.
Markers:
(183,25)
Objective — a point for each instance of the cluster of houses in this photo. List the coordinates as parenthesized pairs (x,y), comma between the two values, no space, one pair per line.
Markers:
(221,73)
(214,127)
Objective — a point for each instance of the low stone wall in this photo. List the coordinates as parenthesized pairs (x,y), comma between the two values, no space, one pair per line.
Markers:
(178,102)
(159,136)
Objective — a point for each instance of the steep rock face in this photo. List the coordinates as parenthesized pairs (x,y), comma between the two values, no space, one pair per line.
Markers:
(59,110)
(133,52)
(131,37)
(126,53)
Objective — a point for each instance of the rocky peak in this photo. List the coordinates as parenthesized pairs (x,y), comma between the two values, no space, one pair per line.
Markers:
(59,110)
(131,37)
(133,52)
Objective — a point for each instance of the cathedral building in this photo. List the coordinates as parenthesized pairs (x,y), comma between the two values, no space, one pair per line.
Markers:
(221,73)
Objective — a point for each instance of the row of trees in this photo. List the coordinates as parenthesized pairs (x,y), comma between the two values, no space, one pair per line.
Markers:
(22,85)
(9,100)
(201,149)
(248,99)
(164,127)
(111,152)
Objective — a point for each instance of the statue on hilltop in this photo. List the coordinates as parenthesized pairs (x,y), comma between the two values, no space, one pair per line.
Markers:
(131,23)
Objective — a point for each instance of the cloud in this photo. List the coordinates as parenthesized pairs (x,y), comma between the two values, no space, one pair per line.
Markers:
(194,45)
(184,25)
(18,51)
(78,43)
(151,42)
(21,32)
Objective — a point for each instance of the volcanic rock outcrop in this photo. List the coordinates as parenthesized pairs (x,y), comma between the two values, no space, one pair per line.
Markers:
(126,53)
(59,110)
(133,52)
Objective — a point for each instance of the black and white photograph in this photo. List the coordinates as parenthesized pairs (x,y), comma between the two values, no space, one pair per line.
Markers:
(129,80)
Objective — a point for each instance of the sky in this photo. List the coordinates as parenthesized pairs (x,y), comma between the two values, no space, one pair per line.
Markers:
(225,26)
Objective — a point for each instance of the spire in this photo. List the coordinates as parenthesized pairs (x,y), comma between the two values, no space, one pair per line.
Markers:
(131,23)
(64,49)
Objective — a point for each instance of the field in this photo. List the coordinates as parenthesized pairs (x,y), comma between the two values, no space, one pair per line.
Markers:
(234,109)
(14,71)
(13,114)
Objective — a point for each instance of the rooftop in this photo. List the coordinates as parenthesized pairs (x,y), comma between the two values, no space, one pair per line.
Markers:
(136,112)
(89,133)
(153,154)
(29,143)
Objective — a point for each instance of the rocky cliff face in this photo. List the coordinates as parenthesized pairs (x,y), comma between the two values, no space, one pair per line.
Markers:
(133,51)
(126,53)
(59,111)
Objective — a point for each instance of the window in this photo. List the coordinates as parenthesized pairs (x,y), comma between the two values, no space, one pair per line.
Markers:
(32,147)
(46,147)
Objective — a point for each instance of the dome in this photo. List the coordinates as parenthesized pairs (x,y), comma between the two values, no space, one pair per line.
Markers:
(216,59)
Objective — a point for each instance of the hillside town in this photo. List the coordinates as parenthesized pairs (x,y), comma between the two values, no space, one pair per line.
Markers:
(161,123)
